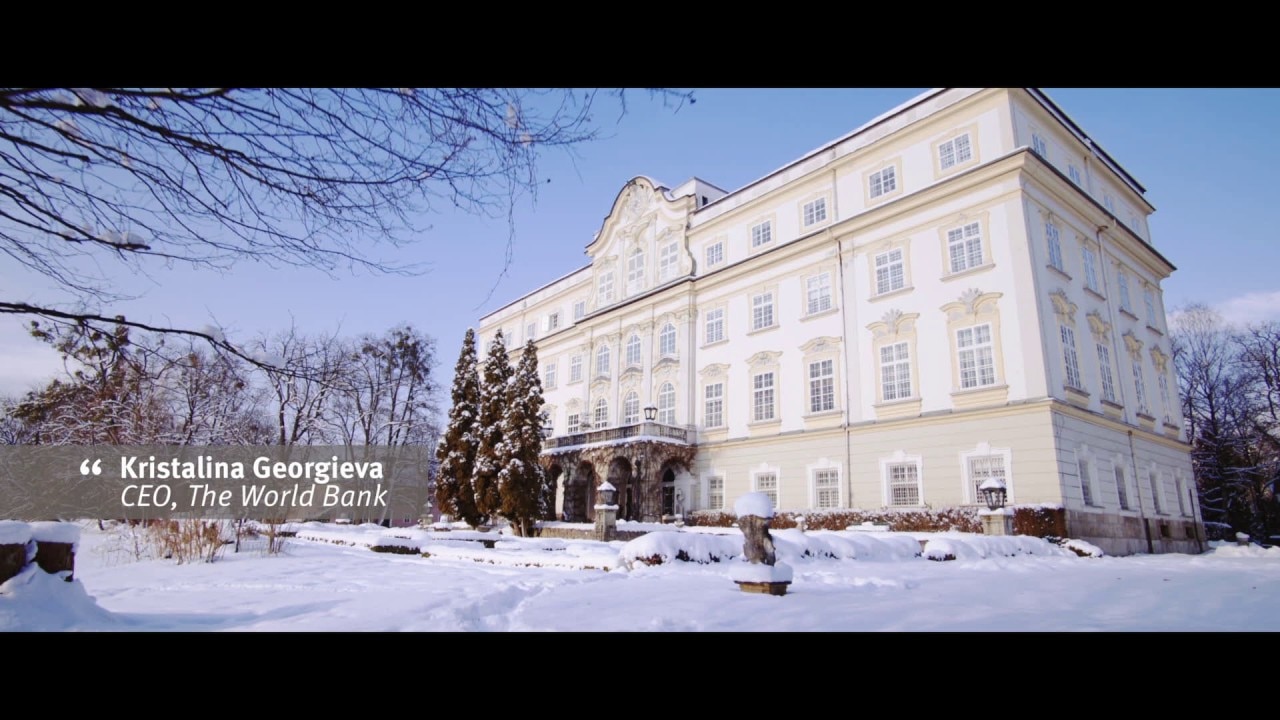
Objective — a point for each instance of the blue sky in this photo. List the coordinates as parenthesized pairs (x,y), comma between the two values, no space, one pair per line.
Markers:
(1206,156)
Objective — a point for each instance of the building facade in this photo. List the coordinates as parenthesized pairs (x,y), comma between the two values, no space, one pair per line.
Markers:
(963,288)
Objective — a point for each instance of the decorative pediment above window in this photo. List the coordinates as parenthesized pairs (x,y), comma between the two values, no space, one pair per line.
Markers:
(665,363)
(972,303)
(572,406)
(714,370)
(600,387)
(1133,345)
(894,322)
(1063,307)
(1100,328)
(630,373)
(764,358)
(1159,359)
(821,344)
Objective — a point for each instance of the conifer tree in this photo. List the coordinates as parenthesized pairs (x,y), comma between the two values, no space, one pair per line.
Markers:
(494,392)
(456,452)
(520,480)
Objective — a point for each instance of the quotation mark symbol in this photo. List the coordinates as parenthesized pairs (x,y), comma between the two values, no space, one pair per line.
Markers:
(97,467)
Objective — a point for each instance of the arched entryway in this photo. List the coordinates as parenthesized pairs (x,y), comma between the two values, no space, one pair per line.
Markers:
(555,487)
(582,489)
(675,489)
(624,481)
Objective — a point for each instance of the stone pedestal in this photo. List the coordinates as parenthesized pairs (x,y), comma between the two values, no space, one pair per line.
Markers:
(607,512)
(606,522)
(997,522)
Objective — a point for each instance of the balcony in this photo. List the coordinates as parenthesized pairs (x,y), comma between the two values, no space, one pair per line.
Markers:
(638,431)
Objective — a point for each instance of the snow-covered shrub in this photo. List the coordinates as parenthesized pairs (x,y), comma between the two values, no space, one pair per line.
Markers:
(657,548)
(959,519)
(396,545)
(1082,548)
(979,547)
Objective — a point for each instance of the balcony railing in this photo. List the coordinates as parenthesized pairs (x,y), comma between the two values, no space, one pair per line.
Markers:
(623,432)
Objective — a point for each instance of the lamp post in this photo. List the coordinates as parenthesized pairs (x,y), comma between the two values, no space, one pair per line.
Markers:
(996,519)
(650,413)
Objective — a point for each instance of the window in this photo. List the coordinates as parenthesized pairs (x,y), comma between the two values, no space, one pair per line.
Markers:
(1069,357)
(904,484)
(633,351)
(575,423)
(895,371)
(715,254)
(602,414)
(713,405)
(1122,281)
(767,483)
(1104,371)
(822,386)
(668,261)
(1163,384)
(667,404)
(762,234)
(1149,299)
(1122,487)
(715,493)
(667,340)
(883,182)
(818,289)
(955,152)
(1090,269)
(531,331)
(1155,491)
(1139,387)
(631,409)
(635,271)
(983,468)
(1073,172)
(714,326)
(815,212)
(826,489)
(891,273)
(553,322)
(602,360)
(604,293)
(964,246)
(762,397)
(575,368)
(549,377)
(579,310)
(1086,482)
(1040,147)
(976,358)
(762,311)
(1055,247)
(1180,489)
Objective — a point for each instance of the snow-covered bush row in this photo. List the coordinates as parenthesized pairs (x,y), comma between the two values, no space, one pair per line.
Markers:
(979,547)
(793,545)
(790,545)
(668,546)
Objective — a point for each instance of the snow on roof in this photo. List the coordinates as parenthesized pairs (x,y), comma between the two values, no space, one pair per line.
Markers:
(606,485)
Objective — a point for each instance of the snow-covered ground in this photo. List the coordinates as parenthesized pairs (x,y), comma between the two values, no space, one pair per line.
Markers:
(321,585)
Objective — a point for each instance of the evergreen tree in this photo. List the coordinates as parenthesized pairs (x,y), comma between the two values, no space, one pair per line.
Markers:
(520,481)
(456,452)
(494,392)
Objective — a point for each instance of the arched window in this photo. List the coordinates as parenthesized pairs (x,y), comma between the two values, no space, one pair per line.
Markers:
(602,360)
(667,404)
(633,351)
(601,414)
(667,341)
(631,409)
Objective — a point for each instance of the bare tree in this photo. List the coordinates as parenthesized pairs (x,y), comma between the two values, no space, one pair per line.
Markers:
(97,177)
(303,373)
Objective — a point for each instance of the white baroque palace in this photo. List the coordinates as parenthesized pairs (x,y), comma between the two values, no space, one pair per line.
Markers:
(963,288)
